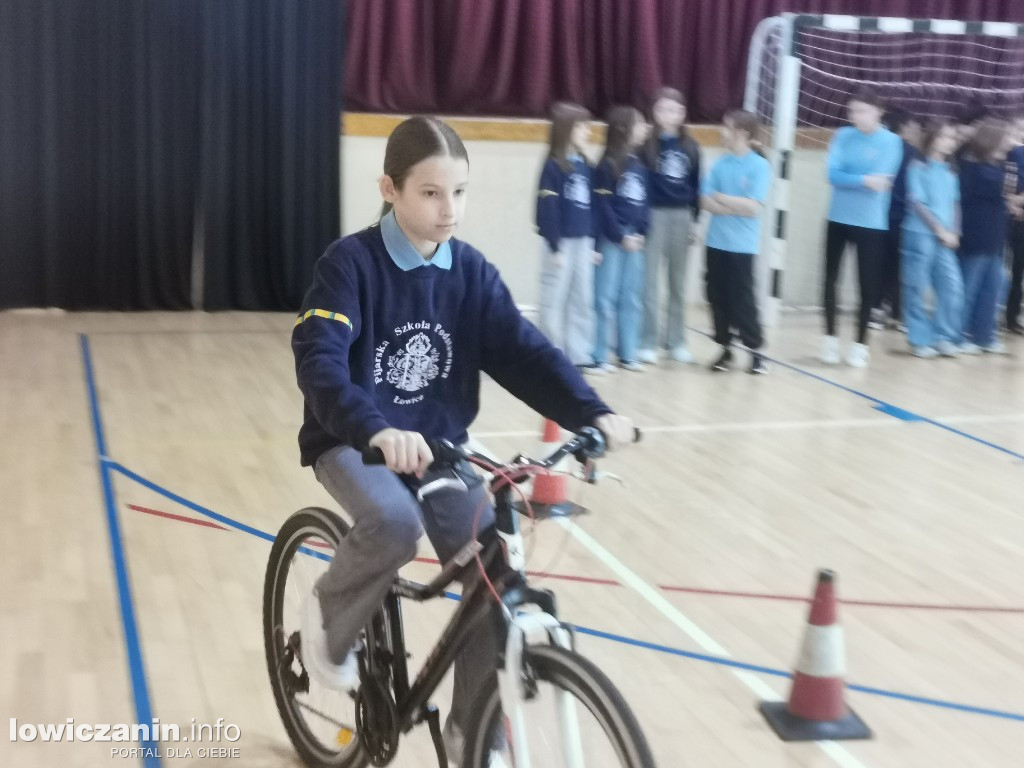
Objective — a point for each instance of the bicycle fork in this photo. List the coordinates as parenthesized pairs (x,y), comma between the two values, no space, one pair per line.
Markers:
(535,629)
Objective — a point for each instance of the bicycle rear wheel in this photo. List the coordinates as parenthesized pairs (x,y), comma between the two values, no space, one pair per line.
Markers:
(574,717)
(321,723)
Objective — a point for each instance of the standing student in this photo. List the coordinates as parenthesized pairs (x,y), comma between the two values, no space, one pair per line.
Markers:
(982,246)
(623,212)
(888,307)
(735,193)
(931,234)
(674,160)
(1014,193)
(566,226)
(395,332)
(863,159)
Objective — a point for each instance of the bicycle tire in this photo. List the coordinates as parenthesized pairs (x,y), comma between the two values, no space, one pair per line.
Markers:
(331,528)
(591,687)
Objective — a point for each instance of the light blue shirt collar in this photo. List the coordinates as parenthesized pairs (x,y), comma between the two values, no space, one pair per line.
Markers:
(404,254)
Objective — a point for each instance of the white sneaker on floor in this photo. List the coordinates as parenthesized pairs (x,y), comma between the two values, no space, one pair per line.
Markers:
(995,348)
(969,348)
(454,743)
(607,367)
(924,352)
(877,321)
(342,677)
(947,349)
(682,355)
(648,356)
(632,365)
(829,350)
(858,355)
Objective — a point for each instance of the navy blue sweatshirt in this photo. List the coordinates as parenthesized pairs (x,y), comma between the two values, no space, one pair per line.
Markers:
(675,177)
(898,201)
(378,345)
(563,201)
(983,209)
(621,205)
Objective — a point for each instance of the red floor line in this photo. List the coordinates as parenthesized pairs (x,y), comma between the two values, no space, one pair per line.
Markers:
(179,518)
(664,587)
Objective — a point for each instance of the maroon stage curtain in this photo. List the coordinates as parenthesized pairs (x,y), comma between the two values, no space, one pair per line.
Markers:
(514,57)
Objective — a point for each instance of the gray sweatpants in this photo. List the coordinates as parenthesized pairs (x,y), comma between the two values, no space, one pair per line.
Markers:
(668,242)
(388,520)
(566,314)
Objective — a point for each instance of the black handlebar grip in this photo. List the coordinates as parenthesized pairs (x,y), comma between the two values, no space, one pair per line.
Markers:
(637,435)
(374,457)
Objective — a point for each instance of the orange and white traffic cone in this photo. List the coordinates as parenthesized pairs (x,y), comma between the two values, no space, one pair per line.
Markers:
(816,710)
(550,492)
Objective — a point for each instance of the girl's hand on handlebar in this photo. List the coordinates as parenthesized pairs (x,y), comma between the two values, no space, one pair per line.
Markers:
(618,430)
(405,453)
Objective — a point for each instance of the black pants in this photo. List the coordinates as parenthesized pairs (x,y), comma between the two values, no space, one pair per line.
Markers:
(1013,301)
(889,273)
(870,244)
(730,292)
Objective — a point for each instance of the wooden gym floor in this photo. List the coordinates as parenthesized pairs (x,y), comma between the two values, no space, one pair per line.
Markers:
(906,479)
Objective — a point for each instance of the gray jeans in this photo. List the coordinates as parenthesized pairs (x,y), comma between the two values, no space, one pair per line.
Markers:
(668,243)
(567,298)
(388,520)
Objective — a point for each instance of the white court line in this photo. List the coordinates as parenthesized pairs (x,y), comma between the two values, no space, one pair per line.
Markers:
(754,426)
(699,636)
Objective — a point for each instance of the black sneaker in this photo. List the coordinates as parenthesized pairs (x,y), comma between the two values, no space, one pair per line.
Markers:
(757,364)
(1016,329)
(724,362)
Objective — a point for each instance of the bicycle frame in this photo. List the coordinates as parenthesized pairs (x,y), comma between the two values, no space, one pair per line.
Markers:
(503,560)
(476,605)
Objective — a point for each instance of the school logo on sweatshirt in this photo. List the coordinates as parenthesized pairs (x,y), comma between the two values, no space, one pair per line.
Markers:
(577,190)
(674,164)
(420,354)
(632,187)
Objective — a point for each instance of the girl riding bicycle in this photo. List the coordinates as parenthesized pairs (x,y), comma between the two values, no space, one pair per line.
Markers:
(398,325)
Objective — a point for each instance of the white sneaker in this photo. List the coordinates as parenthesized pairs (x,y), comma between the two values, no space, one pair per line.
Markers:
(924,352)
(995,348)
(830,350)
(682,355)
(969,348)
(858,355)
(454,744)
(607,367)
(877,321)
(632,365)
(648,356)
(342,677)
(947,349)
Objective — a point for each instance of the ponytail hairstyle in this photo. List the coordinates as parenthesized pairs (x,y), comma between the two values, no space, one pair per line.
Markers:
(686,141)
(622,121)
(413,141)
(564,117)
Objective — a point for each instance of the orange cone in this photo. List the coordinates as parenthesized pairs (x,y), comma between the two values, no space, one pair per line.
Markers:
(550,488)
(549,496)
(816,710)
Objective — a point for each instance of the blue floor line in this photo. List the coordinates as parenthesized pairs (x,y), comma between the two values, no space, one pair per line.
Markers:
(718,660)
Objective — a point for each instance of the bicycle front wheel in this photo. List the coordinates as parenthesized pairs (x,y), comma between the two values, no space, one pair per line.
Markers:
(573,717)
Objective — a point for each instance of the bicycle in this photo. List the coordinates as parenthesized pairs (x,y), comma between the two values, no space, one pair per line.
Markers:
(540,676)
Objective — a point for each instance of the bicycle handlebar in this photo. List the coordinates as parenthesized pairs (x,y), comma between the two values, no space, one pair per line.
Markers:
(589,443)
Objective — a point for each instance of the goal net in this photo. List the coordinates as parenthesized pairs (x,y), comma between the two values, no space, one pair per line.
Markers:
(800,72)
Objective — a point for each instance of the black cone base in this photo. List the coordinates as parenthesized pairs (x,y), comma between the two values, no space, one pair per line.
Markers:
(789,727)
